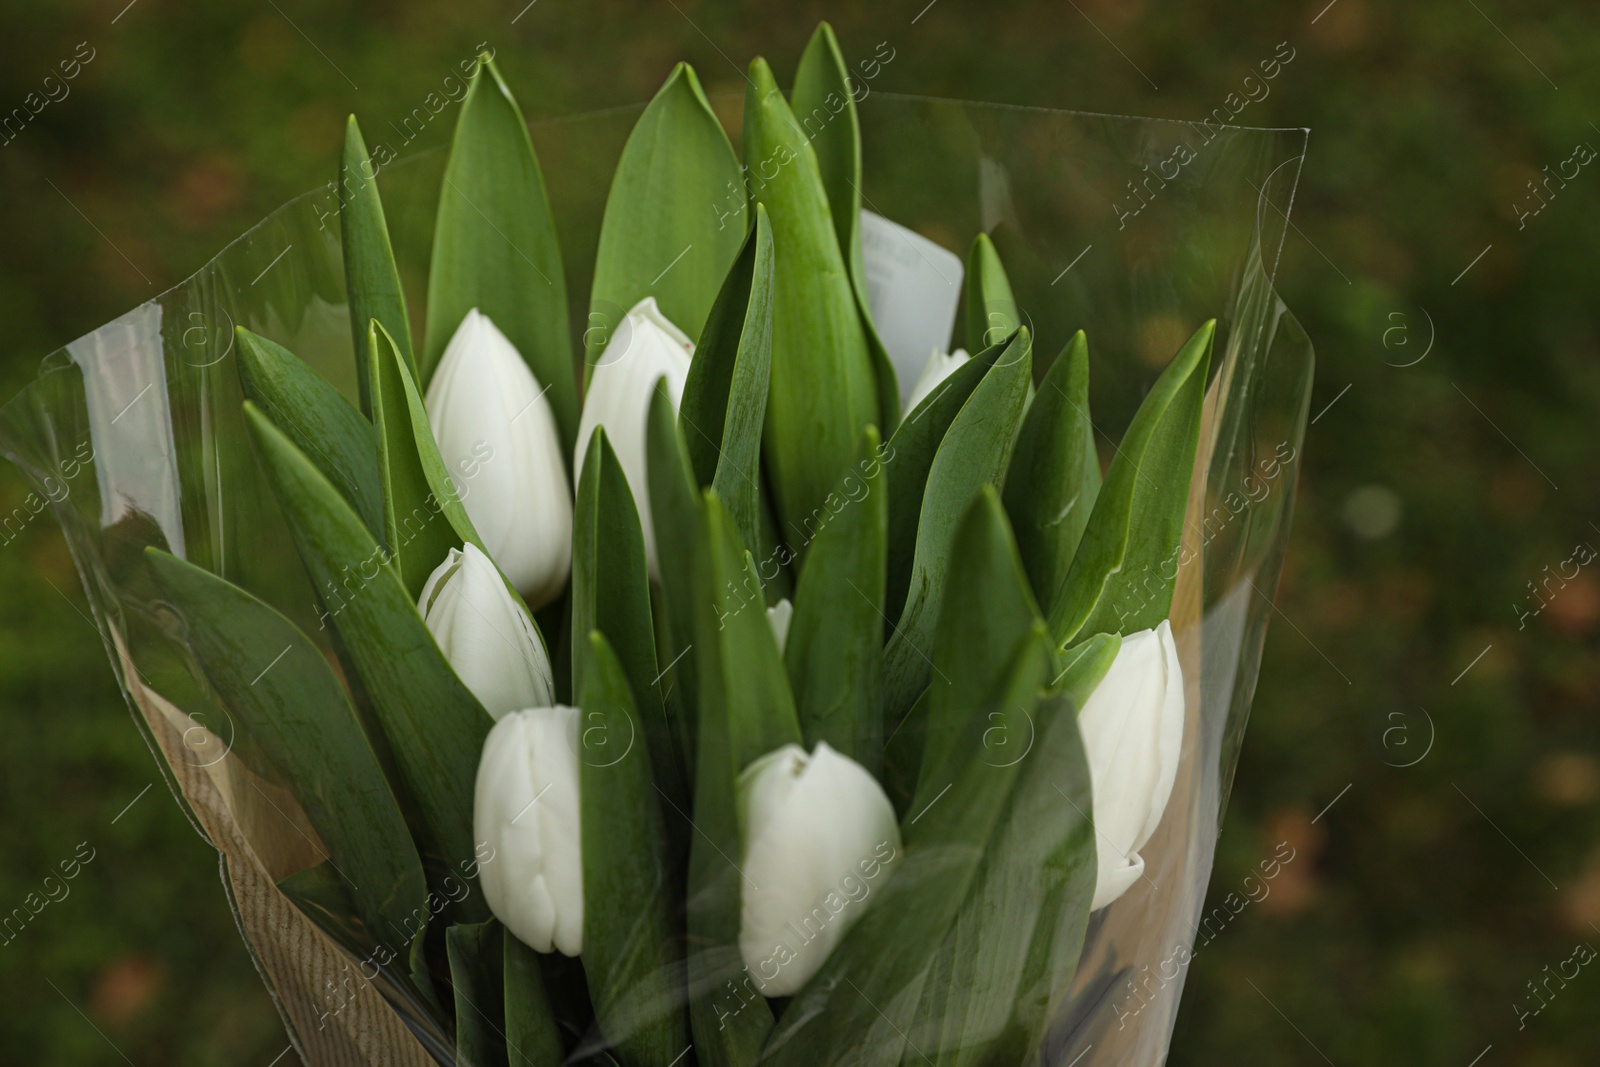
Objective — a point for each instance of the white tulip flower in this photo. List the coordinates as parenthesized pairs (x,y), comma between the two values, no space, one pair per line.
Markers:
(1132,728)
(940,366)
(526,810)
(486,634)
(645,348)
(818,835)
(498,438)
(778,617)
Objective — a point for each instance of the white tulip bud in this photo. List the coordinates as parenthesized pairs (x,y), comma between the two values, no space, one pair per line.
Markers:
(778,617)
(486,634)
(527,811)
(939,367)
(645,348)
(819,834)
(498,438)
(1132,728)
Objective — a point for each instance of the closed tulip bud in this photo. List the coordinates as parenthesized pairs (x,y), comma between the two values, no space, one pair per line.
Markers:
(940,366)
(486,634)
(1132,728)
(645,348)
(526,811)
(497,436)
(779,617)
(818,834)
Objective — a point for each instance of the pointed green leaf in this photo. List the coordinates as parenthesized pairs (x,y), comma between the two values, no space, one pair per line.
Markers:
(882,364)
(680,530)
(434,725)
(371,279)
(987,610)
(834,651)
(477,971)
(911,452)
(725,396)
(825,109)
(742,676)
(284,695)
(823,389)
(824,103)
(318,419)
(629,890)
(746,711)
(1122,576)
(1049,833)
(675,217)
(495,248)
(974,453)
(861,1006)
(1055,474)
(1079,669)
(611,594)
(533,1037)
(991,308)
(1023,924)
(423,515)
(1022,927)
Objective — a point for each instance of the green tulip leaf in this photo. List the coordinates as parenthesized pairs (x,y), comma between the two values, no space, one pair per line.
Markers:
(862,1006)
(882,364)
(1022,928)
(824,104)
(746,711)
(628,888)
(992,312)
(435,726)
(974,453)
(423,516)
(834,651)
(1122,576)
(495,248)
(910,455)
(822,389)
(825,109)
(1017,936)
(1045,858)
(680,529)
(987,610)
(1080,668)
(725,396)
(477,971)
(1055,473)
(318,419)
(371,279)
(675,217)
(532,1034)
(742,675)
(282,693)
(611,594)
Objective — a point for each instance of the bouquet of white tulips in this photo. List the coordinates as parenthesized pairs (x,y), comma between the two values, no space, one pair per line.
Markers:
(700,689)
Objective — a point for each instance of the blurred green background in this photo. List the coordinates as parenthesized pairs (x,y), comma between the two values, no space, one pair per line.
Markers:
(1419,905)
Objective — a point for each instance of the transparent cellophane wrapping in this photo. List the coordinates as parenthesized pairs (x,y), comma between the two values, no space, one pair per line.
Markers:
(1135,230)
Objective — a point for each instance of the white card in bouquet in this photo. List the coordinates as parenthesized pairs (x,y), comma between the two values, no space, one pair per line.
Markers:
(913,285)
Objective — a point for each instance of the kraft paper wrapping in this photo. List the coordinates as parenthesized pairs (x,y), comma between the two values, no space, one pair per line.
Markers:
(334,1017)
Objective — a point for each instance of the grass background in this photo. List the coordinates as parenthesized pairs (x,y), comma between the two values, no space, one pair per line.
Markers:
(1418,906)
